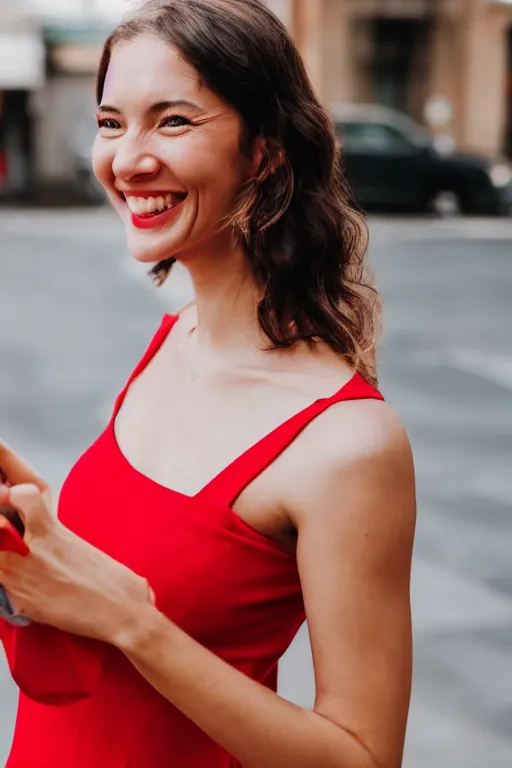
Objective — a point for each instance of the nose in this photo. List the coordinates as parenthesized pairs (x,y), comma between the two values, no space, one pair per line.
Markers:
(133,159)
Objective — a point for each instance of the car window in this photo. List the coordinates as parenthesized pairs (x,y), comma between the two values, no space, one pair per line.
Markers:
(377,137)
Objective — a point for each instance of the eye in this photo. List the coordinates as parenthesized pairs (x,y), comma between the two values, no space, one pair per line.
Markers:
(175,122)
(109,123)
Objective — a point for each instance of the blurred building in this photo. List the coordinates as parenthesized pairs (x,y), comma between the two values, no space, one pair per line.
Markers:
(22,73)
(49,52)
(446,63)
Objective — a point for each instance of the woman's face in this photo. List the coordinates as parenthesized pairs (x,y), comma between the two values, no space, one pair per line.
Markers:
(167,152)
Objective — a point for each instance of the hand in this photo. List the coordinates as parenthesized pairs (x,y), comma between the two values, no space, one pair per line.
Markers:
(64,581)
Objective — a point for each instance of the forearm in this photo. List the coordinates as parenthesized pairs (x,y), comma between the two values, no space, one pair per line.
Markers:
(255,725)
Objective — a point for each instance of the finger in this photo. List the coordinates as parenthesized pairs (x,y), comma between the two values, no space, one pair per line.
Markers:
(9,563)
(33,508)
(4,494)
(18,470)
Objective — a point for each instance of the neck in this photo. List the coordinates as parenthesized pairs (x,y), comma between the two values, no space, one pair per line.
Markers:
(226,300)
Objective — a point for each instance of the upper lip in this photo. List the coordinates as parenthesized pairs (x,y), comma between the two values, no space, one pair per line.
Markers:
(149,193)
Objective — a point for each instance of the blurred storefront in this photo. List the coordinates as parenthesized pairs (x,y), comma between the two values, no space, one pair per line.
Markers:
(446,63)
(66,103)
(508,126)
(21,75)
(49,52)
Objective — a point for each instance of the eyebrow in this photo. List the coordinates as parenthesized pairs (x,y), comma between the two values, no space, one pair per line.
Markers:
(155,109)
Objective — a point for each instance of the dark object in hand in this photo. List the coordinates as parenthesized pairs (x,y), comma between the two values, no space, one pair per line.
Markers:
(14,519)
(11,540)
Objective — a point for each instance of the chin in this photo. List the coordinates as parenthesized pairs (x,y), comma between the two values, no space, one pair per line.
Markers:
(149,256)
(149,250)
(152,245)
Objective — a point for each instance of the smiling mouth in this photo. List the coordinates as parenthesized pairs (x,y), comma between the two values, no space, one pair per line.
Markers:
(150,211)
(148,206)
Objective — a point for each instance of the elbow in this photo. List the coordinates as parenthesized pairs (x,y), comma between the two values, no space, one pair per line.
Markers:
(361,754)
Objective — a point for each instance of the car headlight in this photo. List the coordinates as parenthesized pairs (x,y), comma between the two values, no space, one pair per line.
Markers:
(501,174)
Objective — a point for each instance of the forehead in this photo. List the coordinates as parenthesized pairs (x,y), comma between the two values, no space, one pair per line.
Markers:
(149,70)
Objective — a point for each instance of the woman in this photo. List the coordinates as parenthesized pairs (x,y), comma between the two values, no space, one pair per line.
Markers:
(215,152)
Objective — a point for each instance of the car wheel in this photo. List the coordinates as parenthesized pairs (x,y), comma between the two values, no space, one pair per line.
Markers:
(446,204)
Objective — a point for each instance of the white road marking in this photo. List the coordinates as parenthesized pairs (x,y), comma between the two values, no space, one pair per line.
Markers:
(490,366)
(496,368)
(384,229)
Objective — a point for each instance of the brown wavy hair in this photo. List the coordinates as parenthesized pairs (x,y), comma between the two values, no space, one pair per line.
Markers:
(305,239)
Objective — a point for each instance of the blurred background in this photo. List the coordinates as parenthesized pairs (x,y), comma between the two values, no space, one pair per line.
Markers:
(420,92)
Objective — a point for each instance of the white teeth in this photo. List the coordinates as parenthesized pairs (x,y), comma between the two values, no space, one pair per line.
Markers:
(138,205)
(144,206)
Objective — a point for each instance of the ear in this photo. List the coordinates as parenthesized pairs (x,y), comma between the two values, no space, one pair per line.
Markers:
(269,151)
(278,159)
(259,152)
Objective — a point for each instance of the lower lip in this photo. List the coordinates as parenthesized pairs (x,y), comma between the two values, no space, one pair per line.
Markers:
(159,220)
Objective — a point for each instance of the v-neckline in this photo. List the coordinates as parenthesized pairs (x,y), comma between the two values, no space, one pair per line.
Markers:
(355,382)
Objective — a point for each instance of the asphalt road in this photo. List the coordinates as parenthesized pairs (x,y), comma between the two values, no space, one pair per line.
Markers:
(76,315)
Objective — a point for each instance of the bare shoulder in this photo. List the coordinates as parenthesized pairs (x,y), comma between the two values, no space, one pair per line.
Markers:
(353,504)
(357,434)
(356,450)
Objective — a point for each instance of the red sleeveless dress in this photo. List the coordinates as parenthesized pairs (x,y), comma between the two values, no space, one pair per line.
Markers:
(82,704)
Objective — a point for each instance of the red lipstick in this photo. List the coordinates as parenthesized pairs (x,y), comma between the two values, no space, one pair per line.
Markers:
(155,219)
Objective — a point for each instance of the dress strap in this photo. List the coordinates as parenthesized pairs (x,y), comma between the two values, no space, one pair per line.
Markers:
(225,488)
(154,345)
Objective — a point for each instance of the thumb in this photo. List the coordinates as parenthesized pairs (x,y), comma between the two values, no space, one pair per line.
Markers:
(34,507)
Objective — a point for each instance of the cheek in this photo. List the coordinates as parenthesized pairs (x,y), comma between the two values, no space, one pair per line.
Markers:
(102,158)
(222,176)
(211,163)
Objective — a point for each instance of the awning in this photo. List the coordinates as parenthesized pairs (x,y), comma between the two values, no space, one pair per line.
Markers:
(76,59)
(22,61)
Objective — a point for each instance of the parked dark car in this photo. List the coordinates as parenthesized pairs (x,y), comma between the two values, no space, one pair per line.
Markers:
(393,164)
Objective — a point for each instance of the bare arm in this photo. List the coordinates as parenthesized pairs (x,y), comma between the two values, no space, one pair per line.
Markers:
(356,528)
(354,511)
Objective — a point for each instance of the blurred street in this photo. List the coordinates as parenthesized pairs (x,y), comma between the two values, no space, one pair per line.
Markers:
(77,314)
